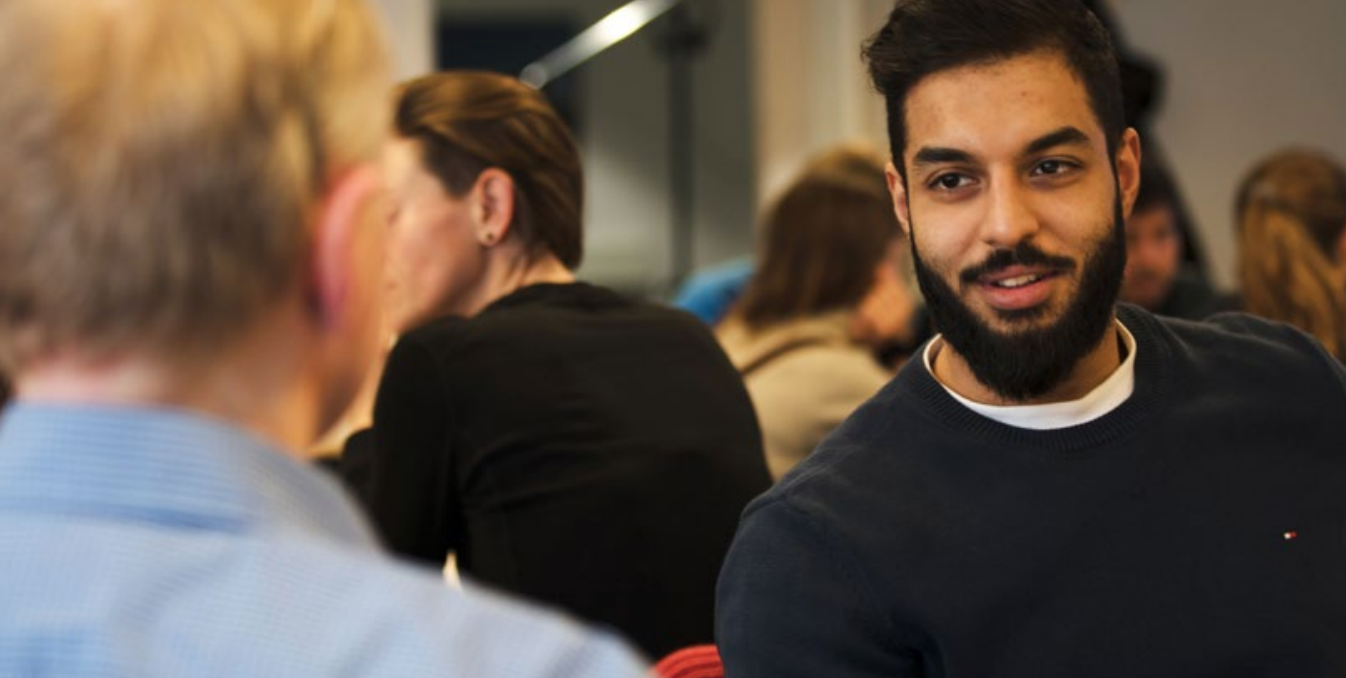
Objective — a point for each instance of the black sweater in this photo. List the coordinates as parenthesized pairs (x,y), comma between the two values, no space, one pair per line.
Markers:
(573,447)
(1197,530)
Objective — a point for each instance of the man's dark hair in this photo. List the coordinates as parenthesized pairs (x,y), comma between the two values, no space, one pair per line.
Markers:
(923,37)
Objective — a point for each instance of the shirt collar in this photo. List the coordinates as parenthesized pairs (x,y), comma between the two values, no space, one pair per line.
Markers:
(1105,397)
(166,466)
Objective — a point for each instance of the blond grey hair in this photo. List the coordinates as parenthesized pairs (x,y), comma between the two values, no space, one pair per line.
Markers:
(159,161)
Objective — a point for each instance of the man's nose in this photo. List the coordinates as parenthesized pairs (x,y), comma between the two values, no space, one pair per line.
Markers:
(1010,218)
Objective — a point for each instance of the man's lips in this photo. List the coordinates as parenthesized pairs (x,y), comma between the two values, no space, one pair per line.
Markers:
(1017,287)
(1016,276)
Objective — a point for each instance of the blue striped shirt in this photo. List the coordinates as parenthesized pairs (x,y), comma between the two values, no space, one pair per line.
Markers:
(153,542)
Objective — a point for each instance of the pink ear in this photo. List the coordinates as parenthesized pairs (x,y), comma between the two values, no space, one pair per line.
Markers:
(335,237)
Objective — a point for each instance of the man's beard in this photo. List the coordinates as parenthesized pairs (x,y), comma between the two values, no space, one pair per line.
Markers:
(1030,362)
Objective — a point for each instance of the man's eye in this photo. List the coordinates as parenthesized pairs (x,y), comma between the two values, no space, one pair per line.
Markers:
(950,182)
(1049,167)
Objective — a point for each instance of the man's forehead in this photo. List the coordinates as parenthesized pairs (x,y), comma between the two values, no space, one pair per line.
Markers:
(999,106)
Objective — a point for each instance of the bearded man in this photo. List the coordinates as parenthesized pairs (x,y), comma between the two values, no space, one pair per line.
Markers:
(1062,485)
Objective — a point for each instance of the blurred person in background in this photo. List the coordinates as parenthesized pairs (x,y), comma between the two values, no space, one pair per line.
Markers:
(1157,277)
(563,442)
(1291,220)
(189,291)
(711,291)
(830,290)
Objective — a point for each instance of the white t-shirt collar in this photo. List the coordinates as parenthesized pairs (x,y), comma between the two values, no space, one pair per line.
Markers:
(1105,398)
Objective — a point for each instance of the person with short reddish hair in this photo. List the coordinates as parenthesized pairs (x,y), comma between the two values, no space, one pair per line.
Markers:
(190,277)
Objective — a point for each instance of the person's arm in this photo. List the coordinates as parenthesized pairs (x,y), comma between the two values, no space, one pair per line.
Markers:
(792,603)
(412,495)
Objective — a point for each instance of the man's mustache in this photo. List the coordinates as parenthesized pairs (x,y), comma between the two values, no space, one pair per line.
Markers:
(1023,254)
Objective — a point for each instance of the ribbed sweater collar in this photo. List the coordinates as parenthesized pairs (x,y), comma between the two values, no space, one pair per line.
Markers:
(1154,354)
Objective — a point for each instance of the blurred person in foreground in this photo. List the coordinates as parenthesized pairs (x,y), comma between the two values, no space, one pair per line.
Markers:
(562,441)
(1156,278)
(189,273)
(829,292)
(1059,485)
(1291,210)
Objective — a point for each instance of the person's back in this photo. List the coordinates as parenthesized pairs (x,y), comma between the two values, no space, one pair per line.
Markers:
(189,275)
(828,294)
(568,444)
(159,543)
(805,377)
(595,454)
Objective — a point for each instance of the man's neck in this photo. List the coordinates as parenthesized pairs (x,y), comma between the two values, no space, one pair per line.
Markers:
(262,398)
(952,370)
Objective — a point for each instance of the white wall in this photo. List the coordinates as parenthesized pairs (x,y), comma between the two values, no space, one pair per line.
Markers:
(810,84)
(410,27)
(624,142)
(1244,78)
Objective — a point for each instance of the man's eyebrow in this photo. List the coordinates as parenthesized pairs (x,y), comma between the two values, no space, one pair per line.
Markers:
(934,155)
(1066,136)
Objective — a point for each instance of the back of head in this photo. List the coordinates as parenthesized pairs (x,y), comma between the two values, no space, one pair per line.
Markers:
(854,162)
(923,37)
(1156,188)
(467,121)
(160,160)
(822,240)
(1291,219)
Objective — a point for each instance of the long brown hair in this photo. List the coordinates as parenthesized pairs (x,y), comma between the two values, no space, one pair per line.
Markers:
(467,121)
(1291,215)
(821,241)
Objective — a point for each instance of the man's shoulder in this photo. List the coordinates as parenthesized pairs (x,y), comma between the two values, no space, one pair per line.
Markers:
(415,622)
(1240,353)
(1192,297)
(1233,335)
(858,468)
(147,599)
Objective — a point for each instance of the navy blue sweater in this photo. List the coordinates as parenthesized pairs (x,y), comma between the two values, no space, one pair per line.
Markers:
(1197,530)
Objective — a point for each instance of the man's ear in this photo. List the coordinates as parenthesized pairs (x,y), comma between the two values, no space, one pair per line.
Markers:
(1127,168)
(897,188)
(493,197)
(342,244)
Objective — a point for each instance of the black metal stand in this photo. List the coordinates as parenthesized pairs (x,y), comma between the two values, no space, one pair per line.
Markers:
(684,40)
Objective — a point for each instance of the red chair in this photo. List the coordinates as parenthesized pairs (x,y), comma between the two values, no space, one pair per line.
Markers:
(698,661)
